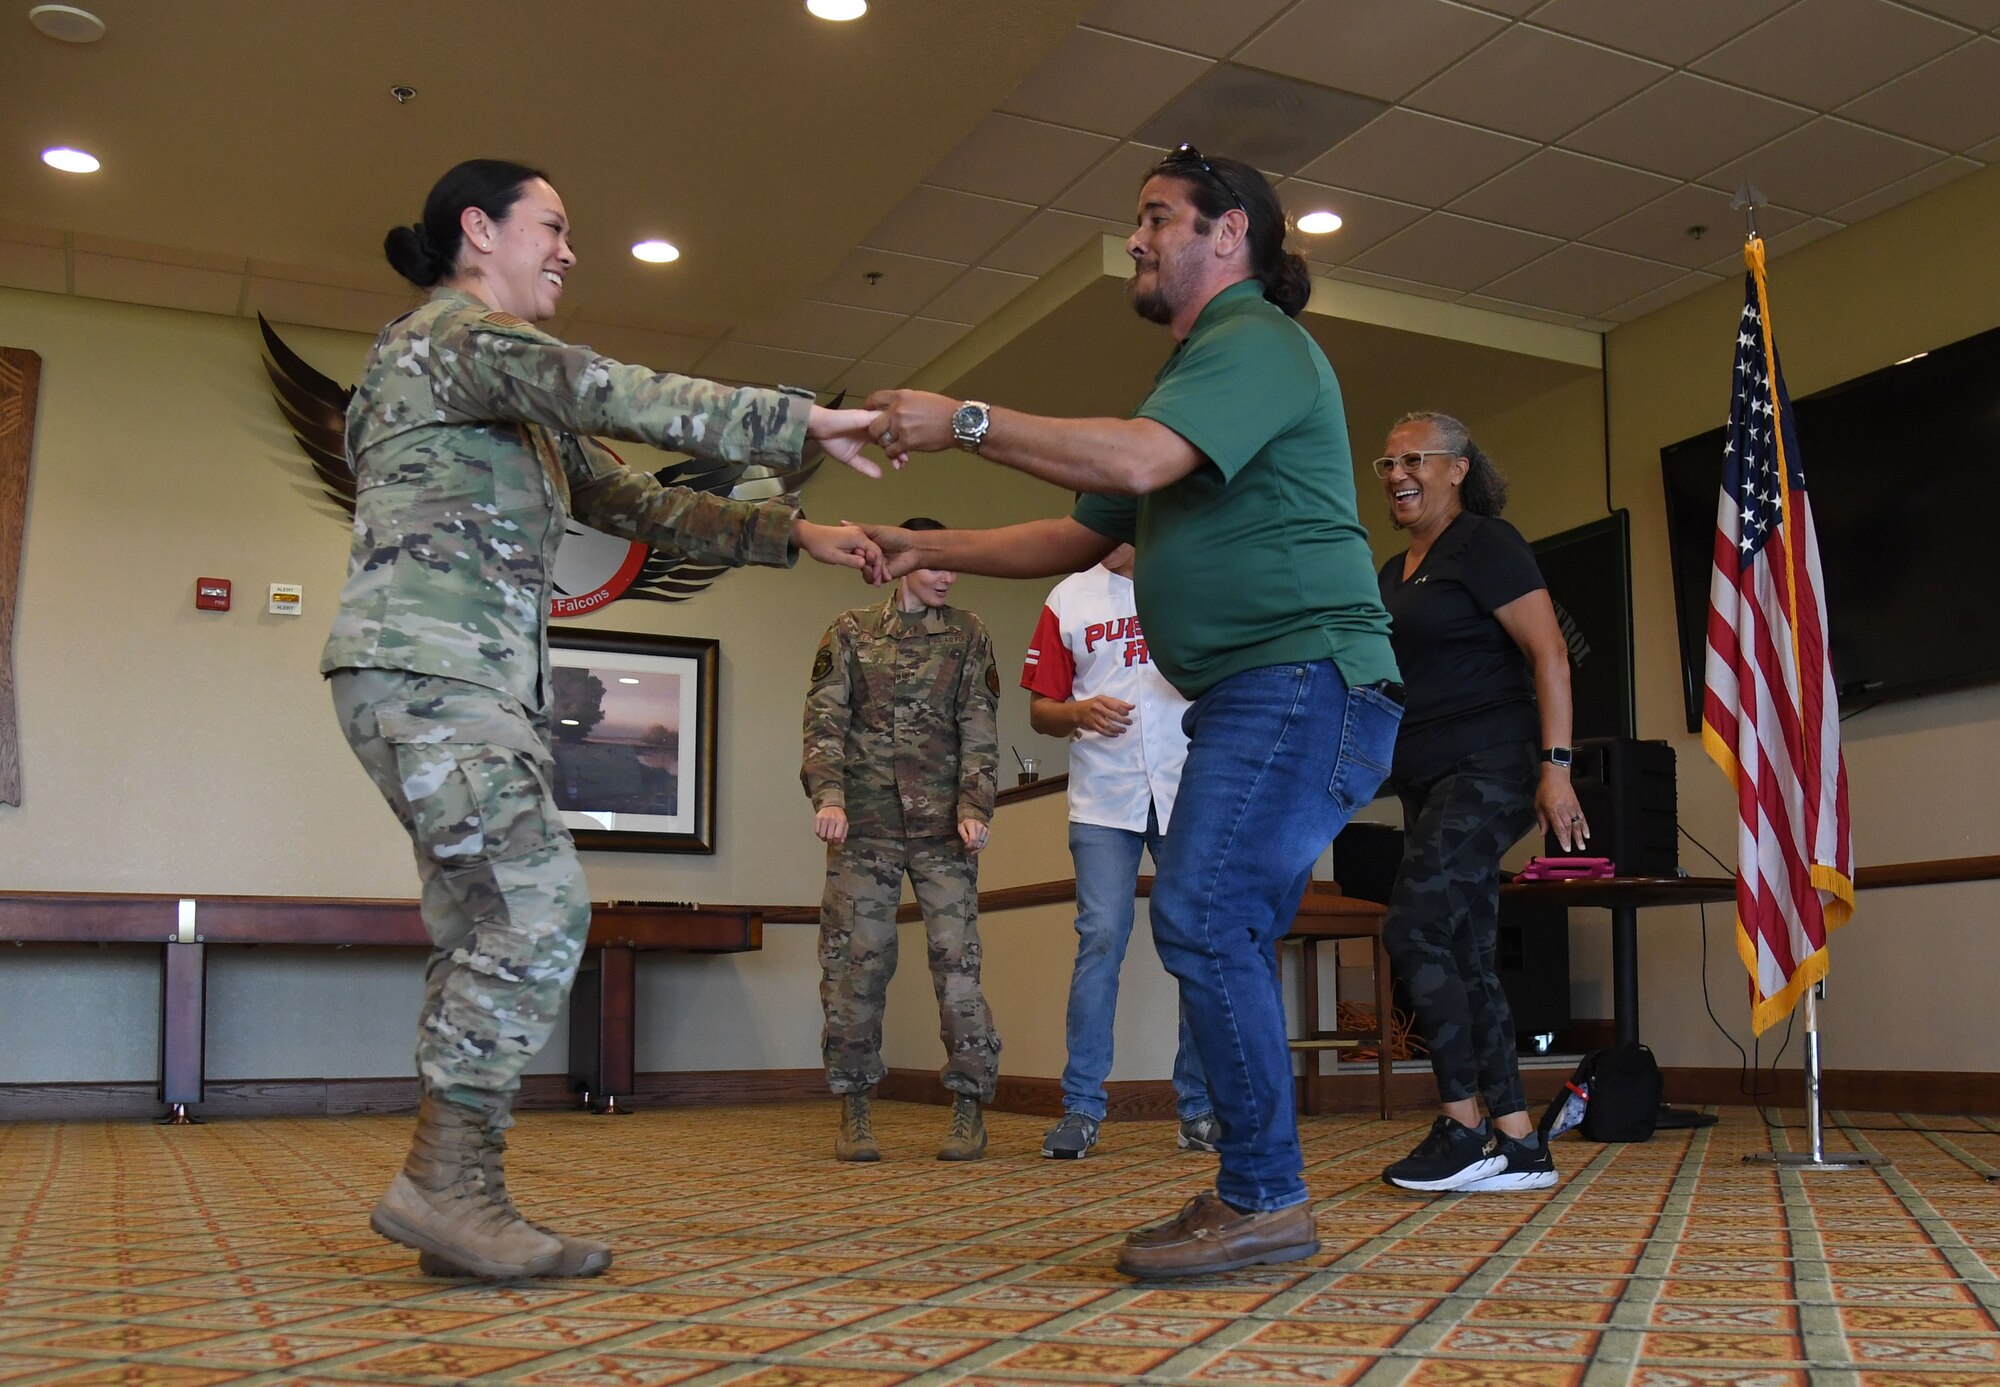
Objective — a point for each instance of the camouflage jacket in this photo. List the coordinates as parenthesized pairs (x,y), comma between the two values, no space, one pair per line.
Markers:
(901,722)
(469,440)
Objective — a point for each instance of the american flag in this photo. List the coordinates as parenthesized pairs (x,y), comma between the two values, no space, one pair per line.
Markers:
(1770,717)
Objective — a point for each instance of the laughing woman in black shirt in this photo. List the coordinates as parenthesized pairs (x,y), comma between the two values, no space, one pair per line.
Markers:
(1482,756)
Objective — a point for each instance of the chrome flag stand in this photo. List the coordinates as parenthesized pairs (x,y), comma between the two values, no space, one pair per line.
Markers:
(1816,1156)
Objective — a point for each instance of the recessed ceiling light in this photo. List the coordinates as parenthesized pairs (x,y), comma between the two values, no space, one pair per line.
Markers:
(70,160)
(627,679)
(571,722)
(656,252)
(838,10)
(67,22)
(1319,223)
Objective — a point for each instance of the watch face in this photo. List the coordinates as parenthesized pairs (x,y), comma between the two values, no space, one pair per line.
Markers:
(967,419)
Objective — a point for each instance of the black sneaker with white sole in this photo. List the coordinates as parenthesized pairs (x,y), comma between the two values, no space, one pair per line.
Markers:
(1450,1157)
(1528,1167)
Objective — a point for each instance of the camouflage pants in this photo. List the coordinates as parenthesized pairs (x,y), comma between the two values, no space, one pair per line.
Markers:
(857,957)
(1444,914)
(467,773)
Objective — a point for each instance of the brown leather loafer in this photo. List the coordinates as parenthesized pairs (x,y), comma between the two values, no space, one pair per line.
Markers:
(1209,1236)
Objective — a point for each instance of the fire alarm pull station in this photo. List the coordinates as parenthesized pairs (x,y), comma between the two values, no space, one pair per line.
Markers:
(211,594)
(287,599)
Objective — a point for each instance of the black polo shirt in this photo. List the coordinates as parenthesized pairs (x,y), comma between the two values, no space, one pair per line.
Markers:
(1467,685)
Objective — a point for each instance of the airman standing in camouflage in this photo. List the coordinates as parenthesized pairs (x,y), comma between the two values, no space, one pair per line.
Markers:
(901,757)
(469,440)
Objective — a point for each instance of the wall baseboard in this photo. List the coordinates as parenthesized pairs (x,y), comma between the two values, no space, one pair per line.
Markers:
(1931,1092)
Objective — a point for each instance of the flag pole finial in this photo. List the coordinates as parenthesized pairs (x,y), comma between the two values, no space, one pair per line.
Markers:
(1747,200)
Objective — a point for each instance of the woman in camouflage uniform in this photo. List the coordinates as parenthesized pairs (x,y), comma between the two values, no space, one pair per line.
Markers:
(470,440)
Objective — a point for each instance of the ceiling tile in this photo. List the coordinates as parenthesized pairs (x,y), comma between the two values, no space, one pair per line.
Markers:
(1050,238)
(661,351)
(378,279)
(864,378)
(1583,280)
(1823,165)
(753,365)
(1672,292)
(1199,26)
(1988,153)
(1101,82)
(1952,103)
(1380,48)
(1659,230)
(1267,120)
(1364,221)
(327,305)
(829,329)
(919,341)
(907,282)
(1454,251)
(978,296)
(42,268)
(1412,157)
(164,286)
(1916,185)
(1805,233)
(161,255)
(1980,14)
(1562,194)
(1822,53)
(944,225)
(1025,160)
(1677,33)
(1531,82)
(1111,190)
(1685,126)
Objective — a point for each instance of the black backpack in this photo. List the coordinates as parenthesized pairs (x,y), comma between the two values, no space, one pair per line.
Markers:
(1621,1090)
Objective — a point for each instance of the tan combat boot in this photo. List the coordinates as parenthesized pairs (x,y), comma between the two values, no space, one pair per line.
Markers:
(967,1138)
(856,1141)
(580,1256)
(438,1202)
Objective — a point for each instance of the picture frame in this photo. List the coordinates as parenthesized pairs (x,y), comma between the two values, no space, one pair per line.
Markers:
(634,735)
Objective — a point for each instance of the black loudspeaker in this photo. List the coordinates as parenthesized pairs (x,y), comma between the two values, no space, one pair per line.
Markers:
(1626,788)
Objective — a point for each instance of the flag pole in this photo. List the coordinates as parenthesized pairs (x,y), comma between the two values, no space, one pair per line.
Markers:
(1816,1157)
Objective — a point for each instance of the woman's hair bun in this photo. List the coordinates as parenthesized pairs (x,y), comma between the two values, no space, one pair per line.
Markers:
(414,255)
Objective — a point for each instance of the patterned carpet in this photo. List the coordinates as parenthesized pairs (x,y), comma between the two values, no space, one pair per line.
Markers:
(239,1252)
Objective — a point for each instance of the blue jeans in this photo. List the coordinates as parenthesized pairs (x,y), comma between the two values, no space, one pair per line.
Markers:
(1107,879)
(1278,759)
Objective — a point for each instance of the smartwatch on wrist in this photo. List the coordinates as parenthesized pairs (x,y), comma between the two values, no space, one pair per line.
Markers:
(1557,756)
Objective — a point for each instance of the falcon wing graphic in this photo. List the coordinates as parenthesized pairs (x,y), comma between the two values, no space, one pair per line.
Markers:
(316,408)
(667,577)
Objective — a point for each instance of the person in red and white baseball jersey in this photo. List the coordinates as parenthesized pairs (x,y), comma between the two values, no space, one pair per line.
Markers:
(1093,682)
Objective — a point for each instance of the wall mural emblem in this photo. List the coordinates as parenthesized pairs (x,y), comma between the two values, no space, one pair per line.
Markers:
(592,569)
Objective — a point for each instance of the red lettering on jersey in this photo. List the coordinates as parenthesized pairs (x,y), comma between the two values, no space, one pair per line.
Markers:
(1135,653)
(1092,634)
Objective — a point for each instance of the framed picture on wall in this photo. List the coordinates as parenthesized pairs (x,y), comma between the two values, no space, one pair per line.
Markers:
(634,725)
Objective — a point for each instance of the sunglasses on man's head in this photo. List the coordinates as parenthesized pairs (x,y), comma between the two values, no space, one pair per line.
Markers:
(1187,155)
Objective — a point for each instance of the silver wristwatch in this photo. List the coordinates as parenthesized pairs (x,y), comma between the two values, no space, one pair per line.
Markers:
(969,423)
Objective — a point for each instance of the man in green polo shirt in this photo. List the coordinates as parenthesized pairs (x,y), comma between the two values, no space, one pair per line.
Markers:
(1258,597)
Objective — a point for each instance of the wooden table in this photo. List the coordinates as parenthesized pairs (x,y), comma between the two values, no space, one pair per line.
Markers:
(603,1008)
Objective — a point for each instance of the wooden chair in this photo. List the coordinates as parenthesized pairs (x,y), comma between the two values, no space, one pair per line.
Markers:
(1325,915)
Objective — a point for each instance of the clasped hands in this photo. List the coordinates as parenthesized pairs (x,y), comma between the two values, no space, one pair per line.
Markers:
(899,422)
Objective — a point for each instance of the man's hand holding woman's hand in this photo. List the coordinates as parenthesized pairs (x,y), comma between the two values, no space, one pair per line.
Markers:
(845,546)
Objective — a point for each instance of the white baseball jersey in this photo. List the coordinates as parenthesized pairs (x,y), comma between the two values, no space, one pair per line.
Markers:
(1087,643)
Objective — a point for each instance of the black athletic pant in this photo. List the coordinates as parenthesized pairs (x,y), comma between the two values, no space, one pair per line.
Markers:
(1444,917)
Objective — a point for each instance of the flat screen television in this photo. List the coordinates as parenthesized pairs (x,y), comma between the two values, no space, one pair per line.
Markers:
(1903,469)
(1589,573)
